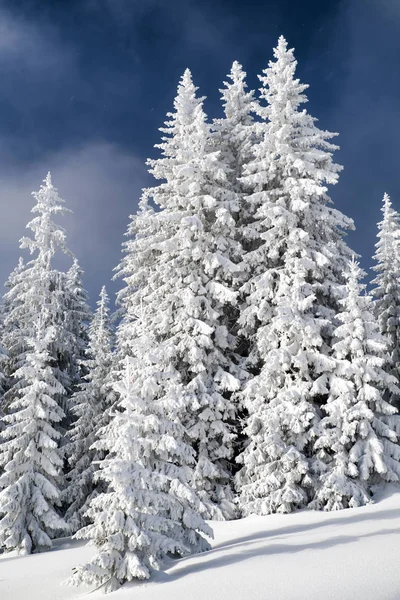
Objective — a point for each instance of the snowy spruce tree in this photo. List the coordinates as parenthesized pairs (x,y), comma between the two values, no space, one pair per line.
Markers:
(77,319)
(358,435)
(35,408)
(387,285)
(294,265)
(36,284)
(149,509)
(91,403)
(29,455)
(180,271)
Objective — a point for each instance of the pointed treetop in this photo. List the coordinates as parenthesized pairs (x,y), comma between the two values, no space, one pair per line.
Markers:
(390,222)
(237,74)
(186,79)
(101,316)
(48,236)
(186,100)
(186,87)
(103,301)
(387,204)
(282,46)
(188,119)
(48,198)
(236,101)
(354,275)
(103,294)
(279,81)
(47,180)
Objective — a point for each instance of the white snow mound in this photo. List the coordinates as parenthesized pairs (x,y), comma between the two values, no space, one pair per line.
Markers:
(348,555)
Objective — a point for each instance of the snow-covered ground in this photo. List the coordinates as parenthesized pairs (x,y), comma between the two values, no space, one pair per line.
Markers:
(347,555)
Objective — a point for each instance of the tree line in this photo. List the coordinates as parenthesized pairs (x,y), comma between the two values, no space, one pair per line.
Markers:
(249,372)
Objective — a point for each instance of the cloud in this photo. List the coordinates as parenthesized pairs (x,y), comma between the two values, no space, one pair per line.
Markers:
(36,46)
(100,183)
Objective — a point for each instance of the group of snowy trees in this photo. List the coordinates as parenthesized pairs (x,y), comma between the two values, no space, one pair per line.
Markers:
(249,371)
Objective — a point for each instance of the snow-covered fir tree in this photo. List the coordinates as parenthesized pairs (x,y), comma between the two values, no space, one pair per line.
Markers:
(294,270)
(29,453)
(180,271)
(77,316)
(38,284)
(149,509)
(358,435)
(387,284)
(92,404)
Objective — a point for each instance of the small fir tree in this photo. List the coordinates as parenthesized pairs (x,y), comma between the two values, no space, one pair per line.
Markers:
(36,285)
(358,437)
(387,285)
(92,404)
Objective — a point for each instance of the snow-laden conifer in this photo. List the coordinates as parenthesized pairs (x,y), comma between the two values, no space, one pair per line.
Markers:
(387,283)
(295,259)
(92,404)
(77,318)
(39,284)
(29,453)
(149,509)
(180,271)
(357,436)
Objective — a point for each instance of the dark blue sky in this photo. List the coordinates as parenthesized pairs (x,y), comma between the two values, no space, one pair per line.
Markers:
(85,84)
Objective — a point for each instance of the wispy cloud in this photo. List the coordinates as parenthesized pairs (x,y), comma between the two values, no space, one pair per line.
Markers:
(100,183)
(28,43)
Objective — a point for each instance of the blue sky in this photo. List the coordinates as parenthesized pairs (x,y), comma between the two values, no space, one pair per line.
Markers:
(85,85)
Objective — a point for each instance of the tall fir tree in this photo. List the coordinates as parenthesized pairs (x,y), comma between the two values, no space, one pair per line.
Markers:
(149,509)
(29,453)
(180,271)
(92,404)
(39,283)
(294,270)
(75,315)
(387,285)
(36,408)
(358,435)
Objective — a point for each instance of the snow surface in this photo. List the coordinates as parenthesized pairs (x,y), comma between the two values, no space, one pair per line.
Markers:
(348,555)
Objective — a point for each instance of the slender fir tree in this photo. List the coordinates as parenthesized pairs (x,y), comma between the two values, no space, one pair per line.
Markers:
(358,435)
(78,317)
(38,284)
(387,284)
(92,404)
(294,266)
